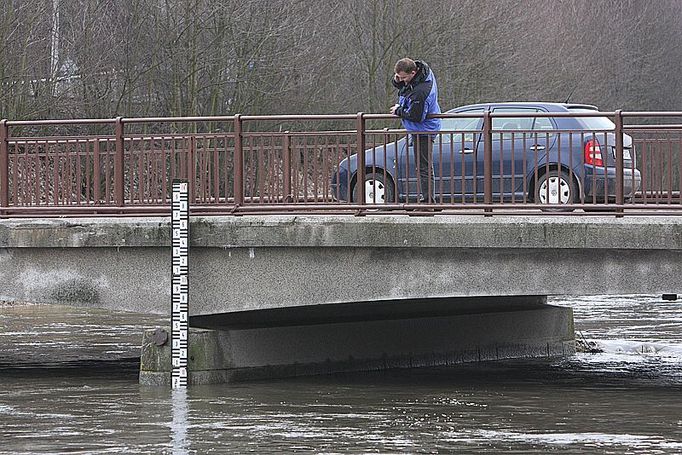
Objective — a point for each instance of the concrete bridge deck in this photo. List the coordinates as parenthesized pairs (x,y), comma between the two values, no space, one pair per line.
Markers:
(313,294)
(268,262)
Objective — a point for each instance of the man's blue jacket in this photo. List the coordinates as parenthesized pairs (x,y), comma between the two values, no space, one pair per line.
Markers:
(418,99)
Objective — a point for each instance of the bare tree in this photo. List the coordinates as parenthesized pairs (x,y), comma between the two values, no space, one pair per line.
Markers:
(25,59)
(102,58)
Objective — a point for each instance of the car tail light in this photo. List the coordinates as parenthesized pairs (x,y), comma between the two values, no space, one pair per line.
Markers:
(593,153)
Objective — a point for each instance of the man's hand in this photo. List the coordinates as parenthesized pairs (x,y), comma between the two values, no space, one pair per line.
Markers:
(394,108)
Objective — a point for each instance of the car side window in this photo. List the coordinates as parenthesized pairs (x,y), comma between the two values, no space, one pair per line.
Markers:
(511,124)
(451,128)
(543,124)
(508,124)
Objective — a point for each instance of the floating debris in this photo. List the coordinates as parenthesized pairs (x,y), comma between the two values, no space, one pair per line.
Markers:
(586,346)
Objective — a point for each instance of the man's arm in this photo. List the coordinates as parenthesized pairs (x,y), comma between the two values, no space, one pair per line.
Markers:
(417,101)
(396,82)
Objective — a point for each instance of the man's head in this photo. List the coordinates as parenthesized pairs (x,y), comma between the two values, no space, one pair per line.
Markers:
(405,70)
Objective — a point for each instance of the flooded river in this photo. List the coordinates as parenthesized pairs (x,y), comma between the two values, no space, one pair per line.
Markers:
(69,385)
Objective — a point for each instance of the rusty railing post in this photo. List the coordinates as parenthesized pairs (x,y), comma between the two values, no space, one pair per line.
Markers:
(286,155)
(96,173)
(192,168)
(238,162)
(487,160)
(4,163)
(360,174)
(118,164)
(620,196)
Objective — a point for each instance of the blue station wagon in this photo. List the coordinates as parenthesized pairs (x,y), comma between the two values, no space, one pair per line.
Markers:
(535,159)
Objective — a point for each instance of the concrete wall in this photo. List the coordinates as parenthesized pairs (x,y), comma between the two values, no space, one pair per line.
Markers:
(268,262)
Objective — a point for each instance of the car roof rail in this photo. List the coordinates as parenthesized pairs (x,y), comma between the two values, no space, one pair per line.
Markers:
(581,106)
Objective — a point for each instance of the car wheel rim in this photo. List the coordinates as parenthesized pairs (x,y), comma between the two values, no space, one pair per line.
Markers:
(375,192)
(555,190)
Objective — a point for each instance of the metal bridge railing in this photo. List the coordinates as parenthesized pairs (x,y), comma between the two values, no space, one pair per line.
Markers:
(493,164)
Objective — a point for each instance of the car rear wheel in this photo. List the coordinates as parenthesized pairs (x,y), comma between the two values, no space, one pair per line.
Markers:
(555,187)
(378,189)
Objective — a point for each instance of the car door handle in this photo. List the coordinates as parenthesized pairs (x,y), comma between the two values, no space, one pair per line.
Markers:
(536,147)
(466,151)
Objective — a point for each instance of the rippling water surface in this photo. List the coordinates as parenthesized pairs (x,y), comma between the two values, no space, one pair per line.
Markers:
(69,385)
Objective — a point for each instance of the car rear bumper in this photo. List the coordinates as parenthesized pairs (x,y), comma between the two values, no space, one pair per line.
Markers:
(600,185)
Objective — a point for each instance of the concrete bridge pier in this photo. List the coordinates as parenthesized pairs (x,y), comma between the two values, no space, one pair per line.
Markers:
(445,332)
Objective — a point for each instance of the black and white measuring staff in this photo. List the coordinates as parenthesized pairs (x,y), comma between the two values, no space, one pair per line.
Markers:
(180,284)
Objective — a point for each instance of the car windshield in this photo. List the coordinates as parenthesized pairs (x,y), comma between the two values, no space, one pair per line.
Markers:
(594,123)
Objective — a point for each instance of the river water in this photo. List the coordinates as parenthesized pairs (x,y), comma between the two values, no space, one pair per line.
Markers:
(69,385)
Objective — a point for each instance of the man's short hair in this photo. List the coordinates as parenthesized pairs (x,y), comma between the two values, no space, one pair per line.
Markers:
(405,65)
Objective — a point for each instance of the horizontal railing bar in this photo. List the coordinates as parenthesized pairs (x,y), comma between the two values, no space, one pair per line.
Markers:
(446,115)
(368,116)
(652,114)
(469,205)
(332,211)
(297,133)
(85,139)
(58,139)
(131,120)
(167,137)
(652,127)
(88,121)
(350,206)
(538,114)
(487,211)
(300,117)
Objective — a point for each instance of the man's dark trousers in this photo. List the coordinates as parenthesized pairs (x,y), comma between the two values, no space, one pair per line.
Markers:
(423,148)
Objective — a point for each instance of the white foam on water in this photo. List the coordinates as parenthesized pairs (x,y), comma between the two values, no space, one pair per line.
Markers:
(634,441)
(635,351)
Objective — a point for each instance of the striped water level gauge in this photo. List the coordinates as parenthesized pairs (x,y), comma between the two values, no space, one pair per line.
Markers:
(180,284)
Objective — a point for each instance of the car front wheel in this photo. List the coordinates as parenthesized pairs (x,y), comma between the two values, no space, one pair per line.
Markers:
(377,187)
(555,187)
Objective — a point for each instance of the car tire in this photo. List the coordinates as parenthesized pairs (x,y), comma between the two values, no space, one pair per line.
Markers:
(555,187)
(378,189)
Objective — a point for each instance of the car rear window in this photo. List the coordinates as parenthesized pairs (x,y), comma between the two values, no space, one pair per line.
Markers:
(594,123)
